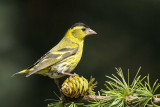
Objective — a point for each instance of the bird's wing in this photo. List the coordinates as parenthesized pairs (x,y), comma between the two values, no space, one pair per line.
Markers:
(51,58)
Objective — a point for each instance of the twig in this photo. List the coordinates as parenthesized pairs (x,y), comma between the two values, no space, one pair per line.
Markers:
(93,97)
(128,98)
(156,100)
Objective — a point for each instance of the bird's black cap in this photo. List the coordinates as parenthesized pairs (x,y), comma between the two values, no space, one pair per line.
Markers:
(79,24)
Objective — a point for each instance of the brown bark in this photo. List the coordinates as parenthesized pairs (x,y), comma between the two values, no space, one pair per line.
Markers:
(128,98)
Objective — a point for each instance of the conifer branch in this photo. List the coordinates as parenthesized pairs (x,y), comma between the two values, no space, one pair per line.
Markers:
(118,92)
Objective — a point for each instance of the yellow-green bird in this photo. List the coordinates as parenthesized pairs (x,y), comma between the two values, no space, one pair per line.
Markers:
(64,57)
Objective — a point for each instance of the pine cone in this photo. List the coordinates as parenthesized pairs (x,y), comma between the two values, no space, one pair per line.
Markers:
(74,87)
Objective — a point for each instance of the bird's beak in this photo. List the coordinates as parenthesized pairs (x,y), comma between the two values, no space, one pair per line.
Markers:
(90,32)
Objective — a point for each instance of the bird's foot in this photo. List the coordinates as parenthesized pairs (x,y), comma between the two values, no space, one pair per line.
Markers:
(73,76)
(69,74)
(57,83)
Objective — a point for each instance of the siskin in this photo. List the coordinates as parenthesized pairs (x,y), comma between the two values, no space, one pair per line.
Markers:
(64,57)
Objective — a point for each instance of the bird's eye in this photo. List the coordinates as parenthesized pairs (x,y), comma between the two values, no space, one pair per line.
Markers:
(83,29)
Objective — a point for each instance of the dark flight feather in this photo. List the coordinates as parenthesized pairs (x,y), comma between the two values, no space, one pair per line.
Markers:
(40,65)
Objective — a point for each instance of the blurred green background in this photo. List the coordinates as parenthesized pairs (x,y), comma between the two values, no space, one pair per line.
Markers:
(128,37)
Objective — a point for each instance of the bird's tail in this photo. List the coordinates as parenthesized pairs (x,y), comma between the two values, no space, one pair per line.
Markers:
(21,72)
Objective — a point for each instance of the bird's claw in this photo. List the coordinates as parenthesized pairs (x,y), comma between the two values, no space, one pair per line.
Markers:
(73,75)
